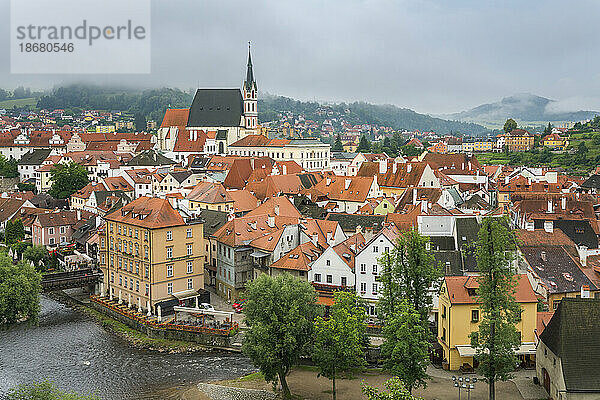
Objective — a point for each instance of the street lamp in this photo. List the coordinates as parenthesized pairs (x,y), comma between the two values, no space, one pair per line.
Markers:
(466,384)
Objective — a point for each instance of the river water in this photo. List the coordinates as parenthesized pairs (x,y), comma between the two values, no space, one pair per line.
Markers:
(78,355)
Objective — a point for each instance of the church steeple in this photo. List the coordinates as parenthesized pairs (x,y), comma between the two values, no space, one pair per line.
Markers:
(250,83)
(250,97)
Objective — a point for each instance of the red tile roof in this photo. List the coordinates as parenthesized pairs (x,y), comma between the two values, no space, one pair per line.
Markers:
(457,289)
(147,212)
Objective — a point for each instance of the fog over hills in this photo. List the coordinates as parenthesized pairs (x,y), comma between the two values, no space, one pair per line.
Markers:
(523,107)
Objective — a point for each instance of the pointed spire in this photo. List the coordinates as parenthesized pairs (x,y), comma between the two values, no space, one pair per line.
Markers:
(249,74)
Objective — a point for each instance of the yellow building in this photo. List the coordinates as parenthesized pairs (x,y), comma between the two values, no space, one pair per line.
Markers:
(483,146)
(519,140)
(384,207)
(555,141)
(105,129)
(149,254)
(210,196)
(459,315)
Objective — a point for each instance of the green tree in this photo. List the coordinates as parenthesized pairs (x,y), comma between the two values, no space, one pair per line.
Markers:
(497,338)
(44,391)
(406,347)
(338,145)
(396,391)
(140,122)
(510,125)
(8,167)
(67,179)
(364,146)
(19,291)
(280,314)
(13,232)
(35,254)
(340,339)
(409,271)
(548,129)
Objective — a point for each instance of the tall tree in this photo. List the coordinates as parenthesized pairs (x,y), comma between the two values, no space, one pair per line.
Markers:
(364,146)
(409,271)
(497,338)
(338,145)
(548,129)
(340,339)
(67,179)
(396,391)
(19,291)
(406,347)
(140,122)
(35,254)
(280,314)
(510,125)
(14,232)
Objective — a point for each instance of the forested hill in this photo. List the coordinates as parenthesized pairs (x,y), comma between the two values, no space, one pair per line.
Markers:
(273,107)
(152,103)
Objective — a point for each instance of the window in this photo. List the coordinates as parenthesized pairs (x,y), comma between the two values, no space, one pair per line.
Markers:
(189,249)
(120,280)
(137,286)
(170,288)
(190,283)
(131,283)
(119,229)
(145,251)
(474,315)
(443,311)
(112,277)
(188,233)
(169,235)
(363,287)
(169,252)
(62,229)
(329,279)
(130,232)
(328,263)
(146,271)
(444,334)
(146,236)
(169,271)
(136,233)
(375,288)
(190,267)
(344,281)
(363,268)
(51,231)
(375,249)
(147,289)
(317,277)
(375,269)
(137,268)
(102,242)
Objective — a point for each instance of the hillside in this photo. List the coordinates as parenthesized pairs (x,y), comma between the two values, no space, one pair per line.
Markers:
(523,107)
(275,107)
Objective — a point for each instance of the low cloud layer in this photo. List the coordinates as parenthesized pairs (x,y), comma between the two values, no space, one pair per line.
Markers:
(433,56)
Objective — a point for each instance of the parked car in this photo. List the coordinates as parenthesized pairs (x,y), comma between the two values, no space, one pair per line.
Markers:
(207,307)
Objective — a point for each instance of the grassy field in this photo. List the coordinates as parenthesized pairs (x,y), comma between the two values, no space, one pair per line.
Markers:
(30,101)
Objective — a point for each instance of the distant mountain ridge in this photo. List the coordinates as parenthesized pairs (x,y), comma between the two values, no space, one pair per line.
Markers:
(270,106)
(523,107)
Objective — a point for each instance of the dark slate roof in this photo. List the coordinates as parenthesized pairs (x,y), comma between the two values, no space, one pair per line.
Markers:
(579,231)
(349,222)
(593,182)
(180,176)
(308,180)
(442,243)
(555,267)
(35,157)
(450,262)
(307,207)
(44,200)
(215,108)
(467,231)
(213,220)
(200,162)
(342,156)
(150,158)
(573,334)
(84,231)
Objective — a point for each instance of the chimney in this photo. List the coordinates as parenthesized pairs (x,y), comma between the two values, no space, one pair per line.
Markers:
(314,238)
(506,180)
(585,292)
(550,207)
(253,224)
(408,168)
(543,256)
(563,203)
(271,221)
(284,170)
(330,238)
(424,206)
(383,166)
(529,226)
(414,196)
(276,209)
(347,183)
(394,166)
(78,215)
(230,217)
(583,253)
(549,226)
(328,181)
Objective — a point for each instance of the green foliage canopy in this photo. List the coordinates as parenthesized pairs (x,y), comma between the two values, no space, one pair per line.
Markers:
(67,179)
(19,291)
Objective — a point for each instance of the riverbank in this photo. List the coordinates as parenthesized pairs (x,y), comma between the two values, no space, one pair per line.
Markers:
(135,338)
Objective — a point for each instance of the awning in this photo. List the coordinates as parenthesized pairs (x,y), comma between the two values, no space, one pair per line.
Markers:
(524,349)
(258,254)
(185,294)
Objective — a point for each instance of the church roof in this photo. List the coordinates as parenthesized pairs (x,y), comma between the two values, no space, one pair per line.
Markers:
(216,108)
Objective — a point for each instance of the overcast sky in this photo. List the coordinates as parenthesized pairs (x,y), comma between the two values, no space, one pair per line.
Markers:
(434,56)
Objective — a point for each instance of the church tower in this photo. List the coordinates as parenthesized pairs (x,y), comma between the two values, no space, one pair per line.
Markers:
(250,90)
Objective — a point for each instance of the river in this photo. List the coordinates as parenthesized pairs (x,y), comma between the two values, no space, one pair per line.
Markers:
(78,355)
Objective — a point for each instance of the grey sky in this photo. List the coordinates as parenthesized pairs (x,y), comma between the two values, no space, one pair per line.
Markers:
(432,56)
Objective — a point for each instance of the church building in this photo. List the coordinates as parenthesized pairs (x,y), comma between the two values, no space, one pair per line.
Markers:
(216,119)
